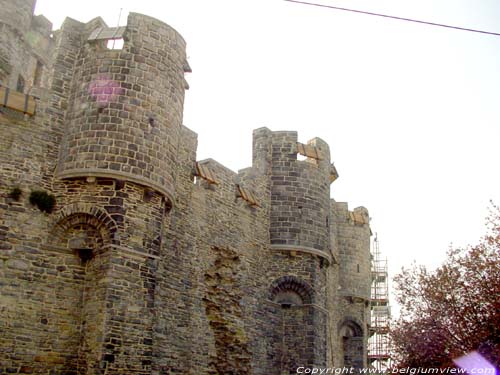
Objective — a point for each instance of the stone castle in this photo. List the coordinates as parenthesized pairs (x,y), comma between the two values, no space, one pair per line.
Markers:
(120,253)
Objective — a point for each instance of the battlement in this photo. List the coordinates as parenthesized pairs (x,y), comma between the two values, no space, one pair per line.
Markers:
(358,215)
(149,260)
(266,142)
(283,147)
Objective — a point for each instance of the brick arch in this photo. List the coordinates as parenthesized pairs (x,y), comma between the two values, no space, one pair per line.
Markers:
(292,284)
(351,324)
(351,343)
(83,213)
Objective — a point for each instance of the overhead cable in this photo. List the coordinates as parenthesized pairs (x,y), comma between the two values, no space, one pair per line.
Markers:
(394,17)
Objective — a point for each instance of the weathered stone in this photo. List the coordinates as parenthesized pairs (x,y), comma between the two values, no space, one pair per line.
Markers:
(139,269)
(17,264)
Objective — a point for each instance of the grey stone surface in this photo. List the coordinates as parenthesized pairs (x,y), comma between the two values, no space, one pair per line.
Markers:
(142,268)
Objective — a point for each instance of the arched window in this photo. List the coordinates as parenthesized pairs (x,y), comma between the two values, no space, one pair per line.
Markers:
(292,326)
(85,240)
(288,298)
(82,234)
(352,342)
(289,290)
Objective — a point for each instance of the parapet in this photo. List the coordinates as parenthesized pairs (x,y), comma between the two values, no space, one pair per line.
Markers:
(342,214)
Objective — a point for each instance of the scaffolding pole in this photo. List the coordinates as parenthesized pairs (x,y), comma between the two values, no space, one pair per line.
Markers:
(378,342)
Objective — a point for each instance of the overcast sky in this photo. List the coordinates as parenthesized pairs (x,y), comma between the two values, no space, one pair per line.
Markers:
(411,112)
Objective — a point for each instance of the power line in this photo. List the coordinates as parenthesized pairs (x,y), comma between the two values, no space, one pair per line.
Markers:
(394,17)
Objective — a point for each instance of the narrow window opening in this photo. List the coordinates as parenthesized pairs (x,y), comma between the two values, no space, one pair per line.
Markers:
(99,111)
(20,84)
(115,43)
(38,74)
(301,157)
(358,267)
(309,153)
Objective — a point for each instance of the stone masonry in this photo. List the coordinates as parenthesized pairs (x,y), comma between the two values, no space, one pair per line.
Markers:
(148,261)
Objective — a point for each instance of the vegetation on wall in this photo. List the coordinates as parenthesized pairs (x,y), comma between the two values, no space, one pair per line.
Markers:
(453,311)
(43,200)
(15,194)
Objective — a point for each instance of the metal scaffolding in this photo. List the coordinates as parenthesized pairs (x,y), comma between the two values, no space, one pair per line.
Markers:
(378,343)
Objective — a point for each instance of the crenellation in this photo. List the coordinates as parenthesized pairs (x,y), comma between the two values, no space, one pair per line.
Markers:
(144,266)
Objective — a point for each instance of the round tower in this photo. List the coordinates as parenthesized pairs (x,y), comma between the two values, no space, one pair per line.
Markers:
(354,289)
(355,260)
(299,244)
(126,114)
(300,195)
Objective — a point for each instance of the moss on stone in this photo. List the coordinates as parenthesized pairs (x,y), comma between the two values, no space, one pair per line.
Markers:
(15,194)
(43,200)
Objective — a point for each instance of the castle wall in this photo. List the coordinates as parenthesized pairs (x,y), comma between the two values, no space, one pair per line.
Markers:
(81,316)
(25,45)
(120,277)
(142,267)
(40,299)
(215,242)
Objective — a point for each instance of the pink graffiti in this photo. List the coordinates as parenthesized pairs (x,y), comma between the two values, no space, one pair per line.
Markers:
(104,90)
